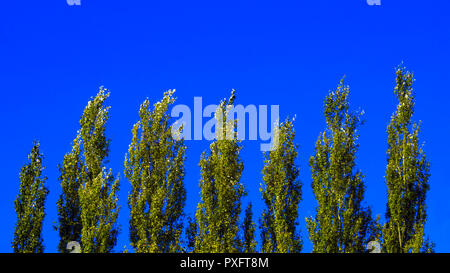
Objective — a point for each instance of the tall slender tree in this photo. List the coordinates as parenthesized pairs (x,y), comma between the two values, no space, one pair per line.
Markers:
(248,229)
(30,205)
(281,193)
(155,167)
(87,206)
(342,223)
(407,175)
(221,190)
(69,202)
(99,191)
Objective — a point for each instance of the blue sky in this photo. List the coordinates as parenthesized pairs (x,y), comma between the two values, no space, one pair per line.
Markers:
(54,57)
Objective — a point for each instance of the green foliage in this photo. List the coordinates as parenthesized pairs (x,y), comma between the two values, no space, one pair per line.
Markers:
(99,212)
(221,190)
(98,193)
(248,228)
(69,202)
(281,193)
(407,175)
(30,205)
(87,207)
(341,223)
(428,246)
(191,234)
(155,167)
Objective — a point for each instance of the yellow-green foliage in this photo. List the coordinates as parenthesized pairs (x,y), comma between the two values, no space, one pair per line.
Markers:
(87,207)
(155,168)
(248,229)
(30,205)
(341,223)
(221,190)
(407,174)
(98,192)
(281,193)
(68,204)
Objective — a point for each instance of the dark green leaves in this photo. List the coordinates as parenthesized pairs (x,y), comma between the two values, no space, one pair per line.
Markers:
(281,193)
(155,168)
(30,205)
(221,190)
(88,207)
(407,175)
(342,223)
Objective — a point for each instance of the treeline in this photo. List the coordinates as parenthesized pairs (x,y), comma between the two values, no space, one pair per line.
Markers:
(154,165)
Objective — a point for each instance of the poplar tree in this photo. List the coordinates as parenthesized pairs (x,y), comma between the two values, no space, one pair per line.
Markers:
(99,190)
(341,224)
(155,168)
(221,190)
(281,192)
(69,202)
(88,207)
(30,205)
(407,175)
(99,212)
(248,229)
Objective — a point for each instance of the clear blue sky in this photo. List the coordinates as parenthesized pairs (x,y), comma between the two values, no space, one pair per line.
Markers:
(54,57)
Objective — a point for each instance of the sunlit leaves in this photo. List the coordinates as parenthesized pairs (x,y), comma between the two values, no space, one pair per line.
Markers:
(154,166)
(407,175)
(30,205)
(281,192)
(221,190)
(341,223)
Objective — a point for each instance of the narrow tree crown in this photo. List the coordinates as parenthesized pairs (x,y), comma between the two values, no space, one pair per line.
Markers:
(154,166)
(281,192)
(30,205)
(97,187)
(342,223)
(221,190)
(407,175)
